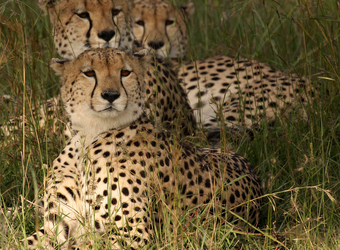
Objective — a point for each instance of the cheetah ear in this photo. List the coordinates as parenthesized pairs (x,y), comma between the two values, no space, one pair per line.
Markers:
(58,65)
(46,4)
(144,57)
(189,9)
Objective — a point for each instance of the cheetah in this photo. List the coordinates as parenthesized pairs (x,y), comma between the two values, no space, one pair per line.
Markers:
(160,26)
(79,25)
(238,92)
(223,90)
(106,177)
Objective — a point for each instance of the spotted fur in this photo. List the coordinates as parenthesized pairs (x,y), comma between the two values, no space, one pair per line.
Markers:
(223,91)
(160,26)
(79,25)
(240,92)
(82,24)
(105,178)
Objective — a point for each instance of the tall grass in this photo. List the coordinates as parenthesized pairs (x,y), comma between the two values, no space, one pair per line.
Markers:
(297,159)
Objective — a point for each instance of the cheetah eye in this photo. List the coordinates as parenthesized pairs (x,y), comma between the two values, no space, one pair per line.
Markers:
(84,15)
(140,22)
(169,22)
(90,73)
(115,12)
(125,72)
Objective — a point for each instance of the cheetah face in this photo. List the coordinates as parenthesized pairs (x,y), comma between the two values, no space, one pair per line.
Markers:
(160,26)
(103,88)
(79,25)
(108,97)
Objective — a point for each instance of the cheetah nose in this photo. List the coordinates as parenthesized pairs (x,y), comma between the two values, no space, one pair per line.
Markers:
(156,45)
(110,96)
(106,35)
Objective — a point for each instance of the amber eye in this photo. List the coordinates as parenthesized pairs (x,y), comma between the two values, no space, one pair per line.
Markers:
(140,22)
(168,22)
(84,15)
(125,72)
(90,73)
(115,12)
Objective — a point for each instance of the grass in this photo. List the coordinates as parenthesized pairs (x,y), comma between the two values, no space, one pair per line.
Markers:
(297,159)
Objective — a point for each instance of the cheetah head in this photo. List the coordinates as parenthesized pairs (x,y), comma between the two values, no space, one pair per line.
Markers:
(79,25)
(103,88)
(160,26)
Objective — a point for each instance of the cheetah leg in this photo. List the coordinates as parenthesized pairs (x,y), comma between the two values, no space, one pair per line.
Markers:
(62,206)
(122,217)
(37,240)
(62,223)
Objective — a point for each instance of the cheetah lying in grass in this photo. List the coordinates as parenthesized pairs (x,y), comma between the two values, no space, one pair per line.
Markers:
(223,90)
(240,92)
(104,179)
(79,25)
(160,26)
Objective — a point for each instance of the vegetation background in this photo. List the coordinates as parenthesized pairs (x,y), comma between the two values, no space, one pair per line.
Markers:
(297,158)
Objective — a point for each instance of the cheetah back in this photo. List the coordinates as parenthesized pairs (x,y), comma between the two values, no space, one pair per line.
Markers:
(244,90)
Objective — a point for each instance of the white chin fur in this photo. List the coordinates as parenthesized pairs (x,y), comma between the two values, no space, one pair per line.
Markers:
(104,109)
(108,114)
(74,53)
(92,123)
(112,44)
(174,53)
(105,45)
(161,54)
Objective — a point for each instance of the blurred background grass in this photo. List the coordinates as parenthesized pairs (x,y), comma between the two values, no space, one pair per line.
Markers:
(297,159)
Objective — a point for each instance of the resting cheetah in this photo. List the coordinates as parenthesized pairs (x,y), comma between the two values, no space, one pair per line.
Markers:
(239,92)
(160,26)
(221,89)
(83,24)
(232,91)
(106,176)
(79,25)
